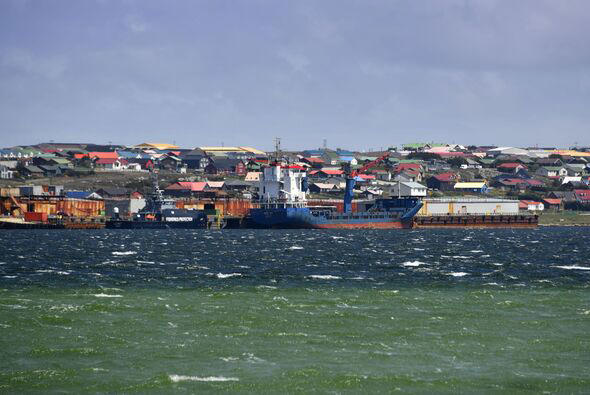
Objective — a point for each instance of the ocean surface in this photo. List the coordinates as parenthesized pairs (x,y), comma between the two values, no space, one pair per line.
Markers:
(295,311)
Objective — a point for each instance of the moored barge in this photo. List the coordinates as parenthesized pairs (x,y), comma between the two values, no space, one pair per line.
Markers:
(477,221)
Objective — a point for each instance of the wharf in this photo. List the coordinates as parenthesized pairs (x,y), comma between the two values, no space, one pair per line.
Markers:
(225,221)
(16,223)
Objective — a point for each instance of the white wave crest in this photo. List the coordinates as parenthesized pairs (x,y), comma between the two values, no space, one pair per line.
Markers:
(227,275)
(573,267)
(120,253)
(413,264)
(295,248)
(107,296)
(324,277)
(457,274)
(178,378)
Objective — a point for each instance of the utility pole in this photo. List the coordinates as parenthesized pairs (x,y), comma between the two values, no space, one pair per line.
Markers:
(277,149)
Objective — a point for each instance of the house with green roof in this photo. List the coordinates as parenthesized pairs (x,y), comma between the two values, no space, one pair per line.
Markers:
(422,146)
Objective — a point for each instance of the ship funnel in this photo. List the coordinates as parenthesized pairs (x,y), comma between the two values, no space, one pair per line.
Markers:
(348,194)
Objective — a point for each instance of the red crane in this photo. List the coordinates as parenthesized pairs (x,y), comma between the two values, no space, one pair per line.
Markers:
(349,190)
(370,165)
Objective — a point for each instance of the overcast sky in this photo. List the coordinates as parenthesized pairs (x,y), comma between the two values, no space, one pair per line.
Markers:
(361,74)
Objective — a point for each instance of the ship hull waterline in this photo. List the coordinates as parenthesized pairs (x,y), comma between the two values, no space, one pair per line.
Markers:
(302,218)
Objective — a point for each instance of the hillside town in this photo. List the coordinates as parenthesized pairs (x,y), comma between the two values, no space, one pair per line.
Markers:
(117,177)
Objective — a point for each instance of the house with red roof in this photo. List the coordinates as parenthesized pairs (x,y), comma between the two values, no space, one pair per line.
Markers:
(511,167)
(511,183)
(518,183)
(186,188)
(407,166)
(553,204)
(109,164)
(442,181)
(326,173)
(414,171)
(102,155)
(315,163)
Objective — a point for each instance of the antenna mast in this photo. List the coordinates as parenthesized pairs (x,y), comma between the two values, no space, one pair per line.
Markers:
(277,149)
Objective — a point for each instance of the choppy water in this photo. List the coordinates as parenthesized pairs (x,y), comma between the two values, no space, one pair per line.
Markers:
(297,311)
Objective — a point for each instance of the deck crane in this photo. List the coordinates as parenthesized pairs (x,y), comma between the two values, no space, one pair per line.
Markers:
(350,181)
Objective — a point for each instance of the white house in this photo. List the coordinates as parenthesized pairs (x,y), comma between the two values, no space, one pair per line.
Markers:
(567,179)
(531,205)
(253,176)
(110,163)
(6,173)
(382,175)
(133,166)
(408,188)
(575,169)
(552,171)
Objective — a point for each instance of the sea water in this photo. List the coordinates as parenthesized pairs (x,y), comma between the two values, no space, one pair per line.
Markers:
(295,311)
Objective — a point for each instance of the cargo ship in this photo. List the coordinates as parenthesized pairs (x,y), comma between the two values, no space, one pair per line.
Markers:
(160,213)
(283,204)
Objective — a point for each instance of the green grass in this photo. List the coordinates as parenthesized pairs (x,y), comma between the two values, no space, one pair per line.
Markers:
(567,217)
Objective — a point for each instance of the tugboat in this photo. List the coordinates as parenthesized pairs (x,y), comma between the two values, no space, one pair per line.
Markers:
(160,213)
(283,204)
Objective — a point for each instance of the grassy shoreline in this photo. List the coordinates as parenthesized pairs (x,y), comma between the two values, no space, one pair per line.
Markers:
(564,218)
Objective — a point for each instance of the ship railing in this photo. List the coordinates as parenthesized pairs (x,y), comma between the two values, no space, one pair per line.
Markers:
(476,200)
(495,214)
(364,215)
(278,204)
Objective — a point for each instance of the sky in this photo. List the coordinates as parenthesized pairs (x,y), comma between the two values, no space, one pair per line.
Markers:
(362,75)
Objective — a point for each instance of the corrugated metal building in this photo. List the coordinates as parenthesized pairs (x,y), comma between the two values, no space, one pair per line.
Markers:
(51,205)
(469,206)
(126,207)
(231,207)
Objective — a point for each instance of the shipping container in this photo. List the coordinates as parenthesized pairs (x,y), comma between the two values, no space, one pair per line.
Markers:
(7,192)
(35,217)
(468,206)
(226,207)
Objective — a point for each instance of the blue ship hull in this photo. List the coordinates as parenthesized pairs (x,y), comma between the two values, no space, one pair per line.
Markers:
(165,219)
(396,214)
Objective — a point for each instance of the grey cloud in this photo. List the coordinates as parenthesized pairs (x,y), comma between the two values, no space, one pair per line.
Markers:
(359,73)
